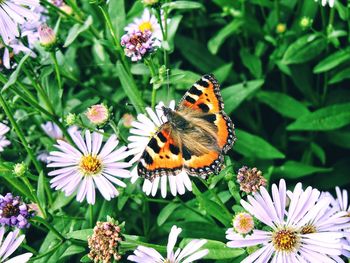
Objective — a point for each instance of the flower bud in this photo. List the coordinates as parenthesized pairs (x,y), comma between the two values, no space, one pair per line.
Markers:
(250,180)
(71,119)
(281,28)
(67,9)
(47,36)
(127,120)
(98,114)
(305,22)
(243,223)
(149,2)
(19,169)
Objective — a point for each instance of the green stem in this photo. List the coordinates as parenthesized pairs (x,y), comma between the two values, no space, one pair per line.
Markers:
(48,252)
(115,39)
(57,70)
(20,134)
(331,17)
(164,30)
(150,64)
(48,226)
(91,215)
(217,198)
(116,131)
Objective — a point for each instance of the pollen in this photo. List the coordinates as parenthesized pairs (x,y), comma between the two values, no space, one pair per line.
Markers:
(90,165)
(285,240)
(308,229)
(145,26)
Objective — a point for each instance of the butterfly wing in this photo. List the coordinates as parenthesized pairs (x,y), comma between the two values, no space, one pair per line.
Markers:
(162,155)
(203,106)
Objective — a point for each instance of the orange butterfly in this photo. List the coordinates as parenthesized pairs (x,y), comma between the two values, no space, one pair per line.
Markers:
(196,136)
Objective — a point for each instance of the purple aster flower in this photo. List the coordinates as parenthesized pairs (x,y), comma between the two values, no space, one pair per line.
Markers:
(138,44)
(9,244)
(14,47)
(88,164)
(14,212)
(3,141)
(14,13)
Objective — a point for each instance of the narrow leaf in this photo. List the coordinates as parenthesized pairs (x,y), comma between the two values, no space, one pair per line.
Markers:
(76,30)
(332,61)
(328,118)
(254,146)
(236,94)
(293,170)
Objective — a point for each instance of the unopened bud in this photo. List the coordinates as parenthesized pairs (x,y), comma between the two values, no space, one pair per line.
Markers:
(47,36)
(98,114)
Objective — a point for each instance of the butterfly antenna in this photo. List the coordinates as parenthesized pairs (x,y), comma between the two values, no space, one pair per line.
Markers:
(168,84)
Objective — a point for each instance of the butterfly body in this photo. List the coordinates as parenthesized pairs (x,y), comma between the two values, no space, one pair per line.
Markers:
(195,137)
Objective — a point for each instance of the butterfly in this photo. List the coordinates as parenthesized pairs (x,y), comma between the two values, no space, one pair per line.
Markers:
(195,137)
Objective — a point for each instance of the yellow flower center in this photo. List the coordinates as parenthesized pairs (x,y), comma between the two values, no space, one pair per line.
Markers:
(285,240)
(146,26)
(308,229)
(90,165)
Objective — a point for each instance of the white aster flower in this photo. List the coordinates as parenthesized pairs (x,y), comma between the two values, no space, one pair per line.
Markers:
(147,22)
(3,141)
(330,2)
(342,200)
(290,239)
(14,13)
(188,254)
(87,165)
(9,244)
(142,130)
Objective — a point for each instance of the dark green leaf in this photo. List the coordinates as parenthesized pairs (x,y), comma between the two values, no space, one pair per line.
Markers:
(294,170)
(283,104)
(332,61)
(328,118)
(80,234)
(216,41)
(76,30)
(223,72)
(219,250)
(304,49)
(340,76)
(252,62)
(41,190)
(72,250)
(251,145)
(236,94)
(13,78)
(166,212)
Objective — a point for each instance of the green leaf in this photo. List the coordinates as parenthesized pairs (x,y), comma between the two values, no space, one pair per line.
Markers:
(197,54)
(116,11)
(332,61)
(76,30)
(61,201)
(340,76)
(254,146)
(236,94)
(223,72)
(304,49)
(85,259)
(283,104)
(182,5)
(252,62)
(13,78)
(212,208)
(339,138)
(219,250)
(80,234)
(319,152)
(72,250)
(41,189)
(166,212)
(130,88)
(328,118)
(216,41)
(294,170)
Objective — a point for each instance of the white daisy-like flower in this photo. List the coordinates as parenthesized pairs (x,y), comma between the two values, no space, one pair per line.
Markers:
(14,13)
(188,254)
(142,130)
(289,240)
(3,141)
(149,22)
(329,2)
(9,244)
(342,200)
(87,165)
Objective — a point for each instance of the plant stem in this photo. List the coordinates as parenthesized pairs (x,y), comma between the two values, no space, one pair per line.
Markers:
(48,226)
(57,70)
(20,134)
(91,215)
(116,131)
(150,64)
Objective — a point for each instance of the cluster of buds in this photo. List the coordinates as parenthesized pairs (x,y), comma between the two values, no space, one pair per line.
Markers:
(250,180)
(14,212)
(138,44)
(104,242)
